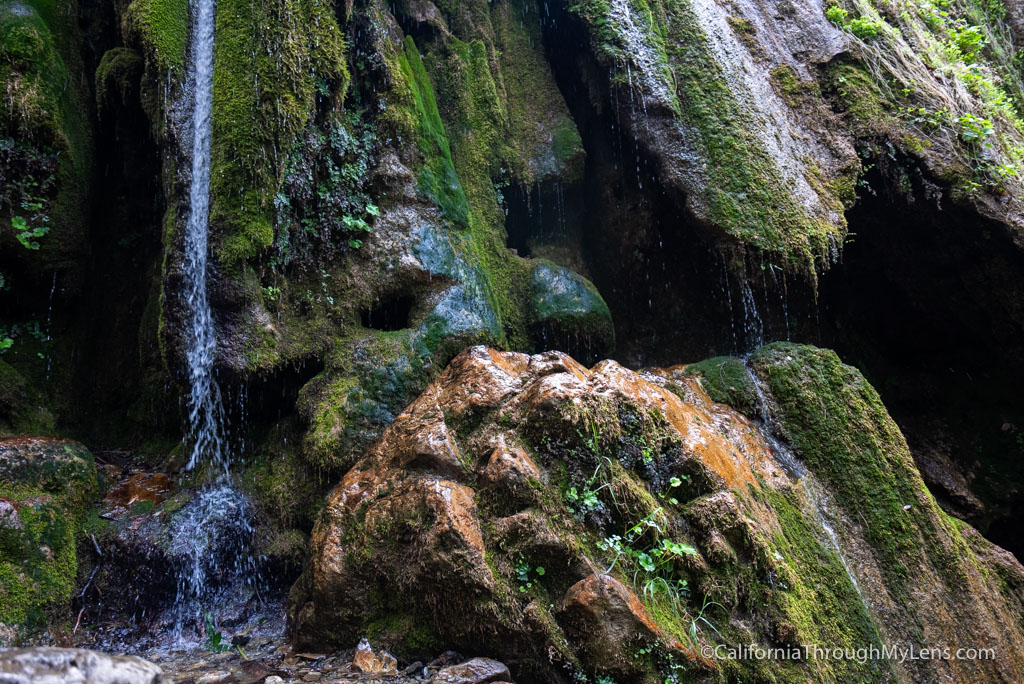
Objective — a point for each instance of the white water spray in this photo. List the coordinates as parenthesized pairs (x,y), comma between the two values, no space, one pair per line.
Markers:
(206,413)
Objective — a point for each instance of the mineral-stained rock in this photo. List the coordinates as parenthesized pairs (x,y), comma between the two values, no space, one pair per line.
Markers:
(145,489)
(613,523)
(369,661)
(607,617)
(44,665)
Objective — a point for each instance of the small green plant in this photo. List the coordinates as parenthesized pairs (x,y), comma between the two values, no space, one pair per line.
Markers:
(699,617)
(865,29)
(27,234)
(673,483)
(974,129)
(584,499)
(215,641)
(271,293)
(837,15)
(969,41)
(527,575)
(656,557)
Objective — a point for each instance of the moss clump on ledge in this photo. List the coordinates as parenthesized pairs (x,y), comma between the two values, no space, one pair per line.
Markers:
(163,27)
(727,380)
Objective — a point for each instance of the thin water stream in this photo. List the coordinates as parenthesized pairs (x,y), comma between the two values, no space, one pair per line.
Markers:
(210,537)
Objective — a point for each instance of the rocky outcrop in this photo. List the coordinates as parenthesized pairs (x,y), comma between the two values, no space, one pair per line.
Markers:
(605,521)
(46,489)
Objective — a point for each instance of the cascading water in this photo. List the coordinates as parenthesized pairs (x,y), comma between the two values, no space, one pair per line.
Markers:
(206,418)
(210,536)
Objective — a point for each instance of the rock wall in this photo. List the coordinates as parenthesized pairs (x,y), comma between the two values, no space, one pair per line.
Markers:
(655,181)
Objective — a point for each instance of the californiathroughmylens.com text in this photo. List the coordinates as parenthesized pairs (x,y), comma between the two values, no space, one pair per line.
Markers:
(863,654)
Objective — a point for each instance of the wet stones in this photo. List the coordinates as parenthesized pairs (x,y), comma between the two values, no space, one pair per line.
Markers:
(475,671)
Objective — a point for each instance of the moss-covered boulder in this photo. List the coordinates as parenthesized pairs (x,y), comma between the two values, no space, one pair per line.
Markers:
(46,489)
(571,315)
(532,508)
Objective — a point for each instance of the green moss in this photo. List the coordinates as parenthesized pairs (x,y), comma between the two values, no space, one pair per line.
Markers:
(571,312)
(566,140)
(45,109)
(746,193)
(37,563)
(839,427)
(23,409)
(118,72)
(46,490)
(437,179)
(64,470)
(727,380)
(271,64)
(163,27)
(372,377)
(816,601)
(542,138)
(746,33)
(859,96)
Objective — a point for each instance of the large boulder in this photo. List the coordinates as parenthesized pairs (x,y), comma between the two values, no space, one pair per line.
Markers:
(604,521)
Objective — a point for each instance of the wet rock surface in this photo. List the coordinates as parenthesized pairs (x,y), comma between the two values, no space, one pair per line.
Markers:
(577,521)
(46,665)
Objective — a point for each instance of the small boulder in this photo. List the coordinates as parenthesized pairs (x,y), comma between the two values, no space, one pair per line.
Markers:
(51,466)
(475,671)
(603,613)
(369,661)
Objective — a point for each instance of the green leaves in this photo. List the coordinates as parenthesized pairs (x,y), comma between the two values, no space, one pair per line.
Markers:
(974,129)
(26,233)
(215,641)
(523,570)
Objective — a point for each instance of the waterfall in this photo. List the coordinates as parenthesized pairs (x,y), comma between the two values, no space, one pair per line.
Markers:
(210,537)
(205,411)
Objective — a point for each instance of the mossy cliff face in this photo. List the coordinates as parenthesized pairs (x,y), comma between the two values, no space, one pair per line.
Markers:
(46,489)
(45,153)
(355,220)
(576,521)
(692,83)
(46,158)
